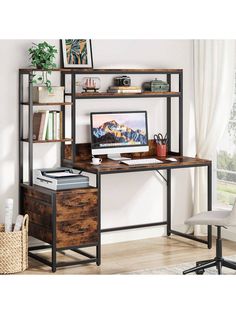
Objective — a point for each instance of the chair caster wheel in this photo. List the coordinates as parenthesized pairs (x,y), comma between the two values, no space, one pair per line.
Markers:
(200,272)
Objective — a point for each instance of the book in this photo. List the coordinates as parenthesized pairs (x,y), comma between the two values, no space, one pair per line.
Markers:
(124,87)
(41,129)
(45,125)
(58,126)
(49,135)
(36,124)
(124,91)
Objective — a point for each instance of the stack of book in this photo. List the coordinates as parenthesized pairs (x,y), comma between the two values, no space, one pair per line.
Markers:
(124,89)
(47,125)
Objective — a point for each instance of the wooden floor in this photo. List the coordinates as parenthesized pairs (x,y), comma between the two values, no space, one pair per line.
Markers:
(120,258)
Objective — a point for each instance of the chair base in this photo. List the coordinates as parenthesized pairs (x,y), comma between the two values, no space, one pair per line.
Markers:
(216,262)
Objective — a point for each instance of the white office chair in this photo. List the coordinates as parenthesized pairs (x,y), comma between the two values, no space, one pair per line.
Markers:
(219,219)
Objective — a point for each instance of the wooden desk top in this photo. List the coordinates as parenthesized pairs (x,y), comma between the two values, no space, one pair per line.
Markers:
(109,166)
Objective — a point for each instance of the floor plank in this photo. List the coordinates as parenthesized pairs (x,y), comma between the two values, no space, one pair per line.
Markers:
(120,258)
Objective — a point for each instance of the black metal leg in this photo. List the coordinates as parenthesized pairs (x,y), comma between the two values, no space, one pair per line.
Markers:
(199,268)
(209,203)
(204,262)
(98,247)
(229,264)
(219,267)
(168,202)
(54,248)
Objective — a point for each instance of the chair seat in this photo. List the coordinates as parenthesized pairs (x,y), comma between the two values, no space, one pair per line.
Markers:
(216,218)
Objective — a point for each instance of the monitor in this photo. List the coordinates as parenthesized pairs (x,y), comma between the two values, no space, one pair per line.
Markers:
(113,133)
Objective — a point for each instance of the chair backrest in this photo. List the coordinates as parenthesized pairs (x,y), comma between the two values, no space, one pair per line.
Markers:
(232,216)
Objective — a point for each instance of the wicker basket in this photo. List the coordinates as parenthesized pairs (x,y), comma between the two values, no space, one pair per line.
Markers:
(14,249)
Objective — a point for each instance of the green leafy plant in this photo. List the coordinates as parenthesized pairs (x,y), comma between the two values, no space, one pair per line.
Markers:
(42,56)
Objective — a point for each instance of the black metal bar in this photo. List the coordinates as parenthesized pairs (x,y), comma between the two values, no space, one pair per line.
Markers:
(63,109)
(209,202)
(20,143)
(40,259)
(161,175)
(86,261)
(181,114)
(54,235)
(98,247)
(39,247)
(168,114)
(188,236)
(30,130)
(168,202)
(83,253)
(73,117)
(153,224)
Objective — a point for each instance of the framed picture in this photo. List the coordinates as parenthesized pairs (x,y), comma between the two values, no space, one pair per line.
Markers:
(77,53)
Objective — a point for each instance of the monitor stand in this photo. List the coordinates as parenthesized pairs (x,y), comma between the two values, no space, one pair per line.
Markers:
(116,157)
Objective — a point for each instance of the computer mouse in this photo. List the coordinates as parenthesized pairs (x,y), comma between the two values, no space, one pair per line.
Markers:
(171,159)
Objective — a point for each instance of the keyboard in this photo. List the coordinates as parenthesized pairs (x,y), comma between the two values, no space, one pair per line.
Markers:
(147,161)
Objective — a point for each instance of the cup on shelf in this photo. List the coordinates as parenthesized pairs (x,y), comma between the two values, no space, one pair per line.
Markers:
(96,161)
(161,150)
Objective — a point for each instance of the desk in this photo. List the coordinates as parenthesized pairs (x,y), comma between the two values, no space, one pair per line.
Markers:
(112,167)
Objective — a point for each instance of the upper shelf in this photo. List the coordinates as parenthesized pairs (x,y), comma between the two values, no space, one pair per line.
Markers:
(126,95)
(106,71)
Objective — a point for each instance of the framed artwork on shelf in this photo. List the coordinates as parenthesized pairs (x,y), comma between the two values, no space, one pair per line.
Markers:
(76,53)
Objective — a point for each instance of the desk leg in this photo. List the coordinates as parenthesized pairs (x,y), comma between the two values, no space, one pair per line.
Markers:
(98,247)
(168,202)
(209,203)
(54,236)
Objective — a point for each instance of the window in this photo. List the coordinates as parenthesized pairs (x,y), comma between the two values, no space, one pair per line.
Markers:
(226,164)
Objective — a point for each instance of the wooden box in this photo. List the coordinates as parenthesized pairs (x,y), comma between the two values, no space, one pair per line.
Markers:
(42,95)
(75,218)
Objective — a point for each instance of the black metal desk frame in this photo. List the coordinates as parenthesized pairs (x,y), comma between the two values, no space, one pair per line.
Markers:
(74,96)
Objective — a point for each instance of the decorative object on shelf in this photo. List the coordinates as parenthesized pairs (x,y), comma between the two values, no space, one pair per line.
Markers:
(91,84)
(122,80)
(156,86)
(96,161)
(42,95)
(161,144)
(77,53)
(14,249)
(42,56)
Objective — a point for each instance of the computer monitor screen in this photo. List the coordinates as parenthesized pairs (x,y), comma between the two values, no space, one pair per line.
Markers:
(117,132)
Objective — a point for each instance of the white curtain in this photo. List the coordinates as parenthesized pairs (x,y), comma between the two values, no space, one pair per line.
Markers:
(214,72)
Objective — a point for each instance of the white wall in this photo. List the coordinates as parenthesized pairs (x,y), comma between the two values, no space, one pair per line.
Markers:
(127,198)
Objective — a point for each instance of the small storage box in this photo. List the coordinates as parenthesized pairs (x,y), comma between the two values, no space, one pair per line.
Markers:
(42,95)
(14,249)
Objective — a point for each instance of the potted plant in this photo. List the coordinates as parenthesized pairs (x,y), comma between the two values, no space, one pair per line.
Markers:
(42,56)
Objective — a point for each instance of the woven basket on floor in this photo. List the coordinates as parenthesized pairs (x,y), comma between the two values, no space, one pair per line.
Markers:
(14,249)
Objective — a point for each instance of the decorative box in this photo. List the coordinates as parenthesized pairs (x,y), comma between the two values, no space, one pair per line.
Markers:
(42,95)
(156,86)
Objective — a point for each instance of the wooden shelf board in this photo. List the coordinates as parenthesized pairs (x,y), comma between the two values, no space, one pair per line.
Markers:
(49,104)
(105,71)
(50,141)
(127,95)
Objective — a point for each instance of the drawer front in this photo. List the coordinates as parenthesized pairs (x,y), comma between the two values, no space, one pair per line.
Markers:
(77,217)
(37,205)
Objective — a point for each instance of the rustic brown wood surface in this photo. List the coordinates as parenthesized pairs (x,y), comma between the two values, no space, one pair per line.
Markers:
(83,159)
(76,215)
(126,95)
(103,71)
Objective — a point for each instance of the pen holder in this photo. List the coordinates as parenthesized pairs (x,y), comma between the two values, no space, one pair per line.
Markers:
(161,150)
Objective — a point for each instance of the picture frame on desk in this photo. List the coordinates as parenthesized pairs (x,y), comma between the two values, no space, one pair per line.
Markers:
(76,53)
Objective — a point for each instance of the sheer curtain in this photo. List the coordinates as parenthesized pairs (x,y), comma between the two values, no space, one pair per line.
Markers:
(214,71)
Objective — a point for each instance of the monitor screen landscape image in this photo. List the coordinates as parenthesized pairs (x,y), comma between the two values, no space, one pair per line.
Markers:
(119,129)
